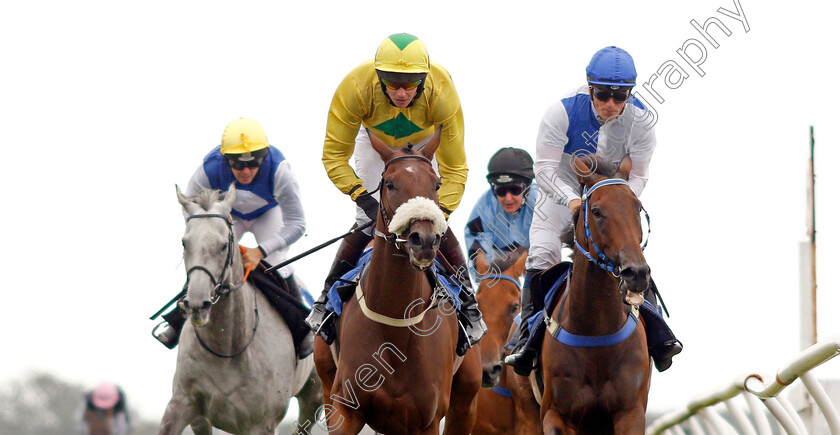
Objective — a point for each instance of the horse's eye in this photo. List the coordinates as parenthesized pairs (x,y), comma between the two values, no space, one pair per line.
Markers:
(437,186)
(389,184)
(596,212)
(514,308)
(183,243)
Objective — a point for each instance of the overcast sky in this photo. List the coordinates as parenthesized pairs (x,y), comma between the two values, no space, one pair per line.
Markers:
(105,106)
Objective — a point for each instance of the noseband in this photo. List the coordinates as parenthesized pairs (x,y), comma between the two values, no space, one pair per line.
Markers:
(221,288)
(602,261)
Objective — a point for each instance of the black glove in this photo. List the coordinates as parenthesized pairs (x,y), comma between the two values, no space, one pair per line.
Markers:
(369,204)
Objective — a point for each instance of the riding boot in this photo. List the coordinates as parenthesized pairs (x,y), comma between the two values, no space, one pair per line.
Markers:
(169,330)
(662,344)
(305,340)
(349,251)
(524,355)
(472,325)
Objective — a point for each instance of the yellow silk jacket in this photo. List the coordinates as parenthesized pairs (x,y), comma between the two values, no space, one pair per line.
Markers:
(360,100)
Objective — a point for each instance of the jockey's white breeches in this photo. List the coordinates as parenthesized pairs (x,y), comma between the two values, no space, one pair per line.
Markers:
(264,228)
(550,220)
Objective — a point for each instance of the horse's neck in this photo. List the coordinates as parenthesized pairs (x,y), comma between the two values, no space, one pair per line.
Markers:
(231,318)
(391,282)
(594,302)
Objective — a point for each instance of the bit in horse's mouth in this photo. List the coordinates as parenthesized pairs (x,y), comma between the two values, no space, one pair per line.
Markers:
(421,264)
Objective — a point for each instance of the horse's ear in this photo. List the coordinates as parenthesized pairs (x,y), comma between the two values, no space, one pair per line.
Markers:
(428,150)
(481,265)
(584,166)
(230,196)
(181,197)
(624,168)
(519,266)
(386,152)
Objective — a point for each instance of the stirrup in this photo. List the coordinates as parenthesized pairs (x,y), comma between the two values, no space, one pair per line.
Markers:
(166,334)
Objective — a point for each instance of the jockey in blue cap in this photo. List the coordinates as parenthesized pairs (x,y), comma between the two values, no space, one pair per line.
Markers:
(600,118)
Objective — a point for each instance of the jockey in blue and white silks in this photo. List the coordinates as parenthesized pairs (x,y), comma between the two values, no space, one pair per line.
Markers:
(267,204)
(602,119)
(500,220)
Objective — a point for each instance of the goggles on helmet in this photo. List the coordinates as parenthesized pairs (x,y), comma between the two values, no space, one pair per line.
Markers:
(246,160)
(515,189)
(604,95)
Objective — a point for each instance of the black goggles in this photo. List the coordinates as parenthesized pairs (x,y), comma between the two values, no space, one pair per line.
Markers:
(235,163)
(605,94)
(514,189)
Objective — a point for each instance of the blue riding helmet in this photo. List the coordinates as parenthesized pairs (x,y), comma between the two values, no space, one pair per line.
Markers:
(611,66)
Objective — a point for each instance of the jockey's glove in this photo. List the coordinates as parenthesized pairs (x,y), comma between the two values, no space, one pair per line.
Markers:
(368,204)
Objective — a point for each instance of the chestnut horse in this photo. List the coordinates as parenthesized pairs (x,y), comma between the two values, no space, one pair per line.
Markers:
(393,365)
(595,363)
(498,299)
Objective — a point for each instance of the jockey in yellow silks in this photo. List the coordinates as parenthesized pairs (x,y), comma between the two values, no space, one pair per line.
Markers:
(401,97)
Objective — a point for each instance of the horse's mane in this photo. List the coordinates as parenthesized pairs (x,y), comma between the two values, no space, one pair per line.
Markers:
(504,260)
(205,198)
(603,167)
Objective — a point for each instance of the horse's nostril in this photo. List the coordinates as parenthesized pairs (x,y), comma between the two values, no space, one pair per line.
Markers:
(414,239)
(206,305)
(496,369)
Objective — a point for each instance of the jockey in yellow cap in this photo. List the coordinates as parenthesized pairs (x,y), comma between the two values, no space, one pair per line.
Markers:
(401,97)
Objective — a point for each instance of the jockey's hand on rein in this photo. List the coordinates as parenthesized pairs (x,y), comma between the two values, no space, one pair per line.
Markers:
(251,257)
(369,204)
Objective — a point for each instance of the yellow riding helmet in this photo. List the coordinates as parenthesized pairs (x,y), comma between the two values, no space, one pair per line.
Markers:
(402,53)
(243,135)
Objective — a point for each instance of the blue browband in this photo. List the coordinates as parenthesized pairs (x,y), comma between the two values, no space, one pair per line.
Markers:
(500,276)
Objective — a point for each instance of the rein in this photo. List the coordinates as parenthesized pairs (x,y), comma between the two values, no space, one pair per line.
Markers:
(221,288)
(602,261)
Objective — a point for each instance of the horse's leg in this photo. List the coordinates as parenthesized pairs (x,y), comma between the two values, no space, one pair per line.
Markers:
(309,400)
(527,410)
(463,398)
(179,413)
(554,425)
(631,422)
(200,426)
(342,421)
(325,366)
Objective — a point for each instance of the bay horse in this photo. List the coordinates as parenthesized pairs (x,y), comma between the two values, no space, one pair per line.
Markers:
(393,366)
(236,368)
(498,299)
(595,364)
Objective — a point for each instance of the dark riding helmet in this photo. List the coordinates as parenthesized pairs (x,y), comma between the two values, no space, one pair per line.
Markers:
(509,165)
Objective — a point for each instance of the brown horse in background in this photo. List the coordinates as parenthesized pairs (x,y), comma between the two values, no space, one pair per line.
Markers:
(597,370)
(498,299)
(393,366)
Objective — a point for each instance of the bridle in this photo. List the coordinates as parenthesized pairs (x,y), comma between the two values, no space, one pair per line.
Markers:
(498,276)
(602,261)
(386,217)
(220,287)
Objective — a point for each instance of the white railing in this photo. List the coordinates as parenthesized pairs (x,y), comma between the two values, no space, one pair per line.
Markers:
(755,391)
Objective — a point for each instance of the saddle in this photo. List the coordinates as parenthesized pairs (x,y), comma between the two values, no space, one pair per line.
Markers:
(344,287)
(285,300)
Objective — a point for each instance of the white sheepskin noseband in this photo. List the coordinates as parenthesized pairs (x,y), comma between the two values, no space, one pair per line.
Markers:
(415,209)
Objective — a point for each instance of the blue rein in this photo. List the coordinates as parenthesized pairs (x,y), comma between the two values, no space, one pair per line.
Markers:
(602,261)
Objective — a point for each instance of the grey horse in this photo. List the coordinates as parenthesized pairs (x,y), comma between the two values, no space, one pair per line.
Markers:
(237,368)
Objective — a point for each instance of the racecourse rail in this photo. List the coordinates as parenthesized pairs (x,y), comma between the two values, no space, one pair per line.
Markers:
(756,391)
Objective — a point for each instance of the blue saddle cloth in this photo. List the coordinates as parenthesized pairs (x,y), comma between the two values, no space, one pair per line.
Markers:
(334,303)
